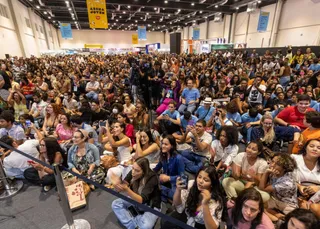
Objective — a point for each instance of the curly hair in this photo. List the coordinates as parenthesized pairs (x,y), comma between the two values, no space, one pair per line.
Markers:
(286,162)
(217,193)
(231,132)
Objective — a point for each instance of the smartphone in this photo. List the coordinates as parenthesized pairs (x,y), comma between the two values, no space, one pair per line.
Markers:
(185,179)
(133,211)
(102,123)
(28,123)
(31,162)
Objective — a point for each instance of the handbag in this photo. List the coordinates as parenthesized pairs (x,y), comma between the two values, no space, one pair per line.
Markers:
(76,195)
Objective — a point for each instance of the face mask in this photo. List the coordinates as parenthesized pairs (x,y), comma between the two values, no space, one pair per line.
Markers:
(65,97)
(115,111)
(207,75)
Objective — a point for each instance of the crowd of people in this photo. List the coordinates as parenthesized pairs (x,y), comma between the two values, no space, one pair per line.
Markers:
(225,137)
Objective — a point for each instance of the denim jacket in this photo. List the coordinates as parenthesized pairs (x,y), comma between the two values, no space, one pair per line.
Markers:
(92,155)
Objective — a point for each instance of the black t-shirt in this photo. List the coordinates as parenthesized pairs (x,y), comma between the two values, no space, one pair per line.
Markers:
(101,115)
(241,93)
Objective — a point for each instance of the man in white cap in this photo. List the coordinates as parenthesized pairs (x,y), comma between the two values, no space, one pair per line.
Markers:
(205,112)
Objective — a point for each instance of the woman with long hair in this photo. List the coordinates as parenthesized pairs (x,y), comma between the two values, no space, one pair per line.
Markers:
(203,205)
(18,102)
(172,165)
(146,147)
(64,130)
(247,170)
(51,119)
(51,153)
(300,218)
(129,130)
(270,135)
(308,172)
(141,185)
(120,145)
(248,212)
(141,118)
(128,108)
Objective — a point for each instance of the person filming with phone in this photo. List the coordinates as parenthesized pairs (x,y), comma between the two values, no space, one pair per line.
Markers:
(203,205)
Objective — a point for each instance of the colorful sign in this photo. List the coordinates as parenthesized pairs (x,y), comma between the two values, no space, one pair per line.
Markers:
(135,39)
(97,14)
(142,33)
(66,31)
(263,21)
(196,34)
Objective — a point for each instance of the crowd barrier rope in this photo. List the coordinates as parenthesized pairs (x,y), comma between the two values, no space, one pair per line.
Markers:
(65,202)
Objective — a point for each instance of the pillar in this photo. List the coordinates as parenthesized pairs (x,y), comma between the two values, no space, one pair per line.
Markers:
(232,27)
(275,24)
(16,27)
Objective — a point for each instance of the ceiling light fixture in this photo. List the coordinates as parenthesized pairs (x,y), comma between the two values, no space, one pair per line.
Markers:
(237,8)
(129,7)
(69,9)
(166,2)
(259,1)
(38,7)
(200,12)
(192,3)
(124,12)
(155,8)
(45,12)
(216,6)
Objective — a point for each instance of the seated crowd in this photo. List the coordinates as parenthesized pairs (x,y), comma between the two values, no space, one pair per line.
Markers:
(226,137)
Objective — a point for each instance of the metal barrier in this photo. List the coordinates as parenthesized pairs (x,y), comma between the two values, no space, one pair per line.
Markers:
(80,224)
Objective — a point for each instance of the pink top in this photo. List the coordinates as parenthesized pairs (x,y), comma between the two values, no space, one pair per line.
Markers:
(266,223)
(64,134)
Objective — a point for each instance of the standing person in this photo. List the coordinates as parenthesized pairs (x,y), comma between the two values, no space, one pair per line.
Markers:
(141,185)
(285,72)
(248,212)
(155,80)
(190,97)
(203,205)
(294,115)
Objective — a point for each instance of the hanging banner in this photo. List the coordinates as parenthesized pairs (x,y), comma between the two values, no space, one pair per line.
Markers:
(97,14)
(263,21)
(142,33)
(66,31)
(196,34)
(135,39)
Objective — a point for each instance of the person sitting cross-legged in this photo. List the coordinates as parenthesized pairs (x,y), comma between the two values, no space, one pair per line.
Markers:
(200,141)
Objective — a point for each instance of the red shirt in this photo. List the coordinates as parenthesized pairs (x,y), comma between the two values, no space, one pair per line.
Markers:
(292,116)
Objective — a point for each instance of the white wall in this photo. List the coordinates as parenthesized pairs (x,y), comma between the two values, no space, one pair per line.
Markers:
(8,35)
(299,23)
(108,38)
(260,39)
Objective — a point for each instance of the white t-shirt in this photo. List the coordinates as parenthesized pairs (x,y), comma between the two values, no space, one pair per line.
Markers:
(224,154)
(18,161)
(304,175)
(73,104)
(259,166)
(207,138)
(255,96)
(41,107)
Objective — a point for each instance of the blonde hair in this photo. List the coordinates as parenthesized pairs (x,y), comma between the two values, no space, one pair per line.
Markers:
(270,135)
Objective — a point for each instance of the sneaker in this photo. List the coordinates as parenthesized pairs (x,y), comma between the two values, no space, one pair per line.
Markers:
(47,188)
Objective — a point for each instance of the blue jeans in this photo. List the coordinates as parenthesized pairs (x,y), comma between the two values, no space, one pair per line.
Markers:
(284,81)
(189,107)
(92,95)
(145,221)
(193,162)
(15,172)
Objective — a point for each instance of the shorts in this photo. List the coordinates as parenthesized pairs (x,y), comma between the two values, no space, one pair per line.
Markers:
(282,206)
